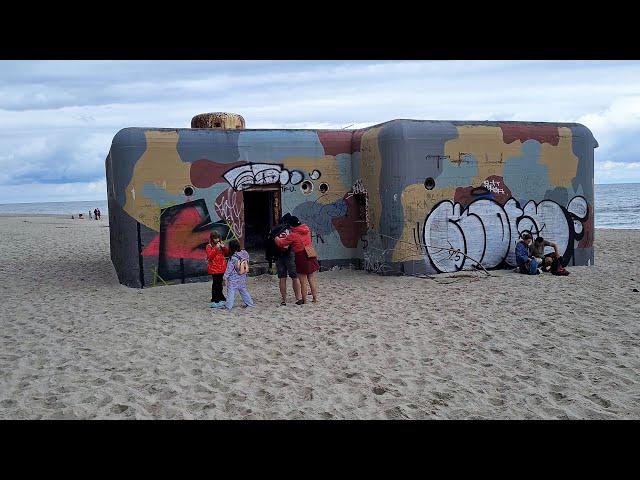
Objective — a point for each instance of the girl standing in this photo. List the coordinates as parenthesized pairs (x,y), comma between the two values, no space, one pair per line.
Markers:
(236,276)
(216,266)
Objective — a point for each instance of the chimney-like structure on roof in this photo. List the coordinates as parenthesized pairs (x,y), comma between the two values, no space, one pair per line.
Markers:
(218,120)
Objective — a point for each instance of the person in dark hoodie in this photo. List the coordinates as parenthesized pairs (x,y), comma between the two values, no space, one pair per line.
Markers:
(284,259)
(525,261)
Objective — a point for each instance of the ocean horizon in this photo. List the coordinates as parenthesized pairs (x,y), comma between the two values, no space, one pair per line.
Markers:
(55,208)
(617,206)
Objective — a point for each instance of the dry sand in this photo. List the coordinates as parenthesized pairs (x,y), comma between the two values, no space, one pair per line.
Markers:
(76,344)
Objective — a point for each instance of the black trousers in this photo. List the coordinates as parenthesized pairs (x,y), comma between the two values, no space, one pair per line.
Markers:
(216,288)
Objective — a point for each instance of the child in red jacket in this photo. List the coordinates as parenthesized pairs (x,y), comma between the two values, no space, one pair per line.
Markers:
(217,265)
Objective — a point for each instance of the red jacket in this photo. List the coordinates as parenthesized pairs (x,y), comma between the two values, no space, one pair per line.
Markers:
(298,237)
(215,259)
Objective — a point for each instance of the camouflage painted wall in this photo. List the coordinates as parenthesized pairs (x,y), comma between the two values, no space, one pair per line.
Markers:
(474,186)
(168,188)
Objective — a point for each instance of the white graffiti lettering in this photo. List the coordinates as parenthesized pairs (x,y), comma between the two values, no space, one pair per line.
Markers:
(493,186)
(251,174)
(488,231)
(229,209)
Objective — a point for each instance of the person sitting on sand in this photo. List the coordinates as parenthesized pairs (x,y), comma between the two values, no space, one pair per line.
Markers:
(536,250)
(216,266)
(236,275)
(526,263)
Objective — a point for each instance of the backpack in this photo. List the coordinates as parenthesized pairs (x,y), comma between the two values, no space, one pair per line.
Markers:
(558,269)
(242,266)
(272,250)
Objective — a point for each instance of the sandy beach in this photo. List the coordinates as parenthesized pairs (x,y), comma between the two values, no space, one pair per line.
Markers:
(75,344)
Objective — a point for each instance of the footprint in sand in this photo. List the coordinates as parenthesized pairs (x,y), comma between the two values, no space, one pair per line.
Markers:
(117,408)
(599,400)
(396,413)
(307,393)
(266,395)
(559,396)
(378,390)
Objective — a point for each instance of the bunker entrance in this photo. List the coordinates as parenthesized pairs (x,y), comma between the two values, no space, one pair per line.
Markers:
(261,211)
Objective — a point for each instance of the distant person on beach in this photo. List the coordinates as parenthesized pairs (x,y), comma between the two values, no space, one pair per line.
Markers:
(236,276)
(95,213)
(90,215)
(216,266)
(525,261)
(285,260)
(99,214)
(299,237)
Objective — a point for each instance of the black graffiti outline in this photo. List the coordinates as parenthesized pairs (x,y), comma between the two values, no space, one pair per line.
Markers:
(266,175)
(579,236)
(484,250)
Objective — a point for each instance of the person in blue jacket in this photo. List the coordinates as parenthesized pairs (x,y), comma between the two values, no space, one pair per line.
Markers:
(526,263)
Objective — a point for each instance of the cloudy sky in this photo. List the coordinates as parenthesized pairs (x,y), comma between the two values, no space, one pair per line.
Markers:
(58,118)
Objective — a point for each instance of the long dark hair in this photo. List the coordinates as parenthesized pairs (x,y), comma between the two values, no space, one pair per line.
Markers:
(234,246)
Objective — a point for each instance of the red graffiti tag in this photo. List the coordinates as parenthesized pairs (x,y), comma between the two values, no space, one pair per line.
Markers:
(181,241)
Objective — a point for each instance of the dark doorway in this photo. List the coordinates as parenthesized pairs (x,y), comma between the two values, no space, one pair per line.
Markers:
(261,211)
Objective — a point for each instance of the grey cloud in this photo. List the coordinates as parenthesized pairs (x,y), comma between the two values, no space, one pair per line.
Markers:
(57,118)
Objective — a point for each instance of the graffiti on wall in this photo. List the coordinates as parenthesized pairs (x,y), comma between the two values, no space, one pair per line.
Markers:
(180,245)
(375,251)
(350,188)
(250,174)
(229,207)
(487,231)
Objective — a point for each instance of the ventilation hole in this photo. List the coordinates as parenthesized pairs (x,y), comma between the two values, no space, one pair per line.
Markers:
(188,191)
(315,175)
(429,183)
(307,187)
(324,187)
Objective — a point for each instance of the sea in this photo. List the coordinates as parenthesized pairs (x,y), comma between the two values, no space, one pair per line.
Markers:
(617,206)
(56,208)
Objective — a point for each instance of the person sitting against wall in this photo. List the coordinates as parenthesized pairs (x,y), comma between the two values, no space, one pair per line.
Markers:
(525,261)
(306,260)
(537,251)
